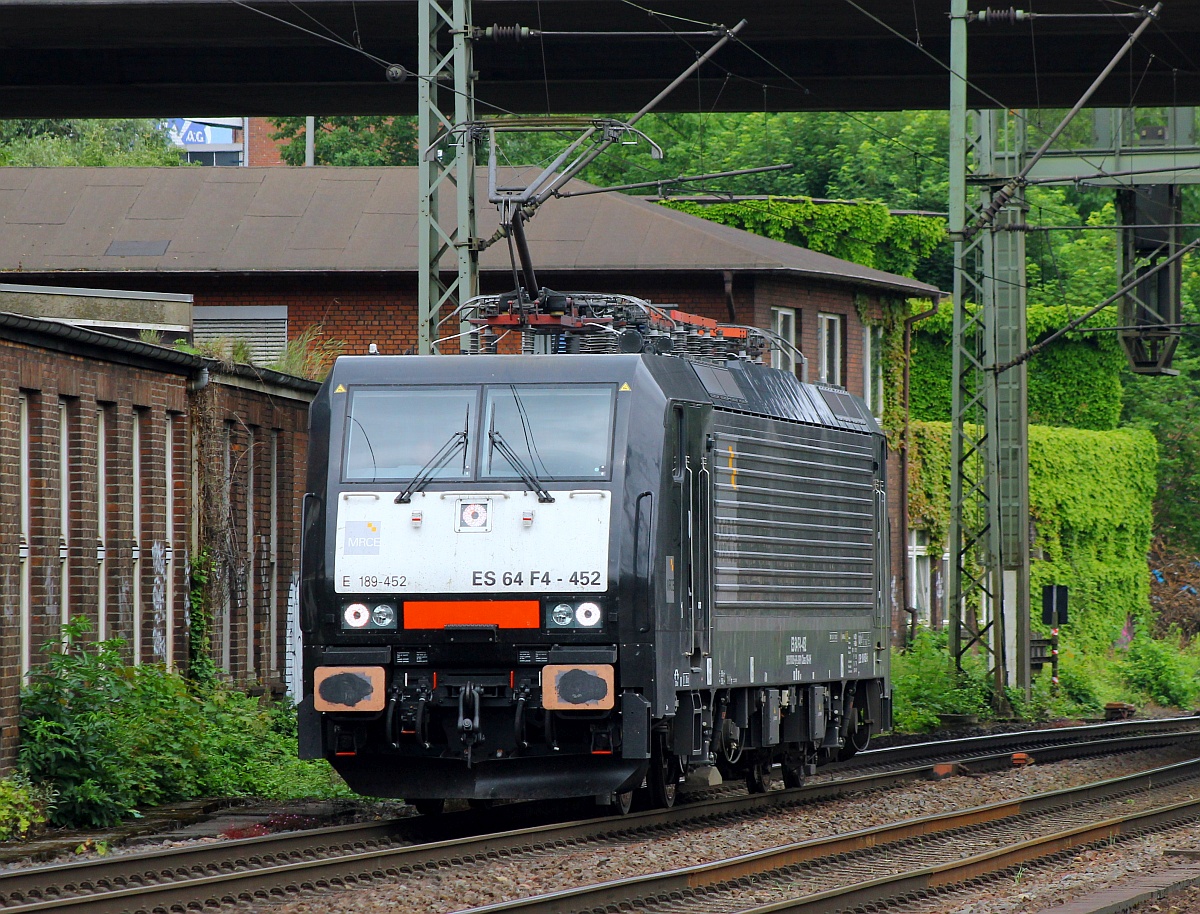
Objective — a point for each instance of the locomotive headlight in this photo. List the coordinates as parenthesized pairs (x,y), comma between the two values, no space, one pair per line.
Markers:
(383,616)
(562,614)
(588,615)
(356,615)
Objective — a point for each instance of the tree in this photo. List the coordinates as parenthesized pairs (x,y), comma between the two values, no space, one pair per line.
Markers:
(86,141)
(351,140)
(898,157)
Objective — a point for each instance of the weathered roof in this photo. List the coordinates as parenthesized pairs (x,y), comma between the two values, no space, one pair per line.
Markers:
(280,219)
(66,337)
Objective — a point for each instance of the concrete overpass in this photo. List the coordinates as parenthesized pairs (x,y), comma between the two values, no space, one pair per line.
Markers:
(157,57)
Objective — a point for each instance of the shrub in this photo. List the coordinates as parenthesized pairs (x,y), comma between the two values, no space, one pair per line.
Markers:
(228,350)
(249,749)
(70,733)
(1078,691)
(23,806)
(925,684)
(111,738)
(1160,671)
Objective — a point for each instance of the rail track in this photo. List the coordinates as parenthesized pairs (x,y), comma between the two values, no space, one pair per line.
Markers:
(898,863)
(281,865)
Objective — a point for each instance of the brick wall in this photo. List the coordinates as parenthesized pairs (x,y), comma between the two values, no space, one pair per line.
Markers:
(381,309)
(108,446)
(142,579)
(263,150)
(251,449)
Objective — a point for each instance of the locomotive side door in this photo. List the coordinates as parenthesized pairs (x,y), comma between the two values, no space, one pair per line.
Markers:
(693,479)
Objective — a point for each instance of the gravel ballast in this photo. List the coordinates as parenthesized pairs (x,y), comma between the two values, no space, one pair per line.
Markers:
(1030,891)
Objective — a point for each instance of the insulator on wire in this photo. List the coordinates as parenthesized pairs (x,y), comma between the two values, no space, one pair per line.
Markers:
(1009,16)
(506,32)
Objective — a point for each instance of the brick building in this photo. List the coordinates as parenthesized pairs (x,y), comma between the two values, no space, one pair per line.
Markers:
(106,448)
(277,250)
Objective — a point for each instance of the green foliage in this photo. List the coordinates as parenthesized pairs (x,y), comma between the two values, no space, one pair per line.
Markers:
(1169,407)
(926,684)
(865,233)
(929,481)
(70,737)
(1160,671)
(351,140)
(23,806)
(229,350)
(110,738)
(201,668)
(895,156)
(1074,270)
(249,749)
(310,355)
(1090,502)
(1077,694)
(86,141)
(1074,382)
(1090,495)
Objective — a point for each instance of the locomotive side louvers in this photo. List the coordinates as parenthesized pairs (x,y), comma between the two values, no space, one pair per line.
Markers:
(794,516)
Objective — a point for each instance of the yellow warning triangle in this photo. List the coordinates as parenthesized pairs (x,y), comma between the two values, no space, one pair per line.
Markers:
(625,386)
(340,389)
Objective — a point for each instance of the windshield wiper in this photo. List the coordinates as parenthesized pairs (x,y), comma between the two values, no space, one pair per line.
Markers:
(518,464)
(435,463)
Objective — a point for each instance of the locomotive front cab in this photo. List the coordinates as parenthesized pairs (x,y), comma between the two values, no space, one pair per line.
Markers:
(461,580)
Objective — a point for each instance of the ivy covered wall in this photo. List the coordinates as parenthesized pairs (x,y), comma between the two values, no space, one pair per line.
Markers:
(1090,496)
(1075,381)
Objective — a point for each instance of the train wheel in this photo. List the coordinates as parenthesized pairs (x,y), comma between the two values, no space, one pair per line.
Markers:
(756,776)
(622,803)
(663,777)
(428,807)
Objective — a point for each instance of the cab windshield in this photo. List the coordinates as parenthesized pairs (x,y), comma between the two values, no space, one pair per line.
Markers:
(394,434)
(555,432)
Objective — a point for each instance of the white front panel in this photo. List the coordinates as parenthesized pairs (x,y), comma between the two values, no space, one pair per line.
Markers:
(472,542)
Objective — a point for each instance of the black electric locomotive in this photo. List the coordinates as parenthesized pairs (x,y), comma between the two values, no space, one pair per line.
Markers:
(534,576)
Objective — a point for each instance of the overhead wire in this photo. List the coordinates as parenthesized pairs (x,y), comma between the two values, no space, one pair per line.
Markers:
(542,46)
(661,17)
(788,77)
(1101,171)
(949,69)
(332,37)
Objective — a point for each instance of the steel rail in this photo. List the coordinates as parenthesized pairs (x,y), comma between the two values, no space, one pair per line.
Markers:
(948,875)
(688,883)
(247,867)
(1023,740)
